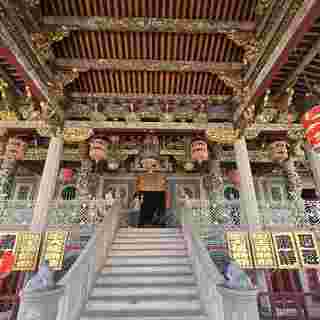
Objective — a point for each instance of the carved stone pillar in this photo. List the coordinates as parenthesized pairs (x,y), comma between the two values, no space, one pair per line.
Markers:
(14,151)
(294,183)
(84,174)
(213,182)
(248,199)
(314,161)
(279,155)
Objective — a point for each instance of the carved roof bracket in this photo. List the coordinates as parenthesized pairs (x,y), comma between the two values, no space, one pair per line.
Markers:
(247,41)
(42,42)
(233,80)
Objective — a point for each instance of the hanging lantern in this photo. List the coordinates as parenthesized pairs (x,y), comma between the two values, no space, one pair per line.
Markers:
(98,149)
(311,117)
(199,151)
(311,122)
(67,175)
(313,136)
(234,177)
(279,151)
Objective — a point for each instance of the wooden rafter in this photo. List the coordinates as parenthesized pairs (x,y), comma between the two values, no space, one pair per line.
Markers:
(146,65)
(301,67)
(134,24)
(300,24)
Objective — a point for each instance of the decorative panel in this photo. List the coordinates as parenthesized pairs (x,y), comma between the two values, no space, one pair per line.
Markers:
(239,248)
(53,248)
(307,249)
(263,251)
(27,251)
(286,250)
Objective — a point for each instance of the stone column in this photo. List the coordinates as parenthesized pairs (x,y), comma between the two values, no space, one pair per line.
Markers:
(314,161)
(47,185)
(248,200)
(239,304)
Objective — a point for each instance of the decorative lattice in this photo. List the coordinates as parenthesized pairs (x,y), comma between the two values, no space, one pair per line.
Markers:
(312,212)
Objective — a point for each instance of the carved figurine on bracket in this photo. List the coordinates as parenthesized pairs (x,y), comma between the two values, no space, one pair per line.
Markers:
(98,148)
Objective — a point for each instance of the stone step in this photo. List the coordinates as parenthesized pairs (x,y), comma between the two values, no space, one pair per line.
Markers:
(140,235)
(112,281)
(142,260)
(92,315)
(150,230)
(149,246)
(132,240)
(145,293)
(143,270)
(148,253)
(145,308)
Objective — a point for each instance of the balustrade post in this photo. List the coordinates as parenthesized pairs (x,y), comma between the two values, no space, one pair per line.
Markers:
(47,185)
(248,200)
(239,304)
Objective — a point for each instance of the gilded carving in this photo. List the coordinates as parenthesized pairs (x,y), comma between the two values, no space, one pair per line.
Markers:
(42,42)
(248,42)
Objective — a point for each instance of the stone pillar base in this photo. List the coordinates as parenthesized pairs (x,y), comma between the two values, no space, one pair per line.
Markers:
(239,304)
(40,305)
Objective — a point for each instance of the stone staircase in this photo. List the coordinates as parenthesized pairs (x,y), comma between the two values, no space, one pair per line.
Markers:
(147,276)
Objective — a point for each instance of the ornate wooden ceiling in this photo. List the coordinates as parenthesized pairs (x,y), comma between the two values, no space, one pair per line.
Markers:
(167,52)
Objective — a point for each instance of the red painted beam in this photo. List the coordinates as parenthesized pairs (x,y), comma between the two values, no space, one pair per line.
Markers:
(300,24)
(10,58)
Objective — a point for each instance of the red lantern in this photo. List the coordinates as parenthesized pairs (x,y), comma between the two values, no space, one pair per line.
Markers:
(199,151)
(234,177)
(313,136)
(6,263)
(311,122)
(67,175)
(311,117)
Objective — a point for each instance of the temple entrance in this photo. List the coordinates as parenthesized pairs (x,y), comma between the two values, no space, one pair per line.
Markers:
(153,209)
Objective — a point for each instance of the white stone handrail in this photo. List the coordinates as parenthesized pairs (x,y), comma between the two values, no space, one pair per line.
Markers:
(207,274)
(80,279)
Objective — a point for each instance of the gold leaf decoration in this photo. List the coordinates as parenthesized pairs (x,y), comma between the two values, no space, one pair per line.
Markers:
(76,135)
(222,135)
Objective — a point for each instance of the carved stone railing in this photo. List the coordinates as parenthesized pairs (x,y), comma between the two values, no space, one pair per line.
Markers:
(207,274)
(61,212)
(80,279)
(72,291)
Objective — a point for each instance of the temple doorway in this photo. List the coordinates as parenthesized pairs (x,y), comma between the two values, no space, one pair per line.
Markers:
(153,209)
